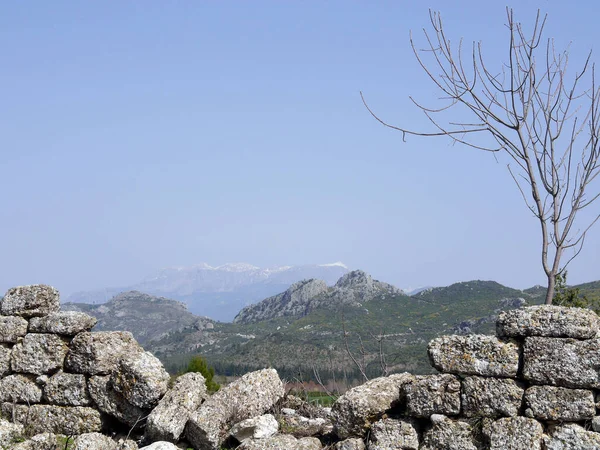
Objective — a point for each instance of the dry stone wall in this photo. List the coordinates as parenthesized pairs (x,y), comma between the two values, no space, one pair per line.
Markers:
(533,386)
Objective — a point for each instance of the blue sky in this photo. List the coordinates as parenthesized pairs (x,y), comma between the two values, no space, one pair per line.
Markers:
(139,135)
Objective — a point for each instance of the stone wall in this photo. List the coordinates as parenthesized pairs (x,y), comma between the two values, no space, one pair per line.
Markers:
(533,386)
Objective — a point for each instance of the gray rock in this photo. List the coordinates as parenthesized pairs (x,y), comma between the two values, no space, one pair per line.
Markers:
(161,445)
(300,426)
(350,444)
(433,394)
(12,328)
(281,441)
(474,355)
(447,434)
(30,301)
(5,352)
(392,434)
(515,433)
(68,420)
(19,389)
(260,427)
(549,321)
(38,354)
(491,397)
(114,404)
(571,437)
(596,424)
(353,412)
(99,353)
(167,421)
(67,323)
(42,441)
(93,441)
(10,433)
(562,362)
(141,379)
(249,396)
(67,389)
(556,403)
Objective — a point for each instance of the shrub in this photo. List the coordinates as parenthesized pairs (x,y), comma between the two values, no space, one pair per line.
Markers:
(198,364)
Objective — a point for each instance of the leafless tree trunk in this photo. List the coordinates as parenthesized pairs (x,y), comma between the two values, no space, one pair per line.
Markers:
(536,112)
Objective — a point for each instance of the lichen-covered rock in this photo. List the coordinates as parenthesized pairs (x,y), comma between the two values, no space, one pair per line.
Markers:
(12,328)
(67,389)
(432,394)
(354,411)
(38,354)
(10,433)
(393,434)
(68,420)
(93,441)
(491,397)
(571,437)
(549,321)
(556,403)
(562,362)
(5,352)
(161,445)
(515,433)
(350,444)
(30,301)
(447,434)
(67,323)
(42,441)
(281,441)
(300,426)
(474,355)
(141,379)
(98,353)
(113,403)
(259,427)
(19,389)
(251,395)
(167,421)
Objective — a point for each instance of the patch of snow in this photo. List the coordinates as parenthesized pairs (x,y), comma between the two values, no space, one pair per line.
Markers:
(335,264)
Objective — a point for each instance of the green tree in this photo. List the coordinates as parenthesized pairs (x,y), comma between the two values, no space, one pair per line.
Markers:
(570,296)
(198,364)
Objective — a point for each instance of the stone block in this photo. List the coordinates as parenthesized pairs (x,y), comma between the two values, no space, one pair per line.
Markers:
(38,354)
(560,404)
(515,433)
(67,389)
(68,420)
(19,389)
(432,394)
(67,323)
(491,397)
(571,436)
(12,328)
(448,434)
(30,301)
(389,434)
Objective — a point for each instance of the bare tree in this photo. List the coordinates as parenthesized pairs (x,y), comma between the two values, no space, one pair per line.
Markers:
(534,111)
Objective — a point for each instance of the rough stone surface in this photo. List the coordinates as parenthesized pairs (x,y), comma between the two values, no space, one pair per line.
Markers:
(161,445)
(350,444)
(249,396)
(301,426)
(19,389)
(30,301)
(67,389)
(69,420)
(571,437)
(555,403)
(491,397)
(391,434)
(562,362)
(67,323)
(93,441)
(474,355)
(141,379)
(99,353)
(549,321)
(112,403)
(9,433)
(433,394)
(5,352)
(515,433)
(281,441)
(447,434)
(42,441)
(167,421)
(12,328)
(354,411)
(260,427)
(38,354)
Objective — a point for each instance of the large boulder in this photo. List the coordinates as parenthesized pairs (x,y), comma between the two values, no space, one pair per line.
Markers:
(19,389)
(515,433)
(354,411)
(433,394)
(167,421)
(394,434)
(491,397)
(30,301)
(68,420)
(448,434)
(560,404)
(259,427)
(474,355)
(113,403)
(98,353)
(12,328)
(67,389)
(251,395)
(67,323)
(562,362)
(38,354)
(571,436)
(141,379)
(549,321)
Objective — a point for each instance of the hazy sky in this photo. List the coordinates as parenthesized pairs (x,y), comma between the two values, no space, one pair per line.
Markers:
(142,134)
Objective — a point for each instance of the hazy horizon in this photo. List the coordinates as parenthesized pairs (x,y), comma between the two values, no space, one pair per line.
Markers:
(137,136)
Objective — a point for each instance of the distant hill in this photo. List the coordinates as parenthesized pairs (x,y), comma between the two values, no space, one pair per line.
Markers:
(218,292)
